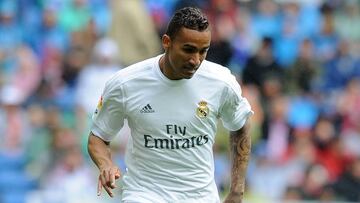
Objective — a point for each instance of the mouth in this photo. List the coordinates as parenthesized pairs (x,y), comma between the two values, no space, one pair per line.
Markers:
(190,69)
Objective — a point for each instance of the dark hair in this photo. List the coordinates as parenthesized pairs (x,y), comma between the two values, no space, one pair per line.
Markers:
(188,17)
(267,41)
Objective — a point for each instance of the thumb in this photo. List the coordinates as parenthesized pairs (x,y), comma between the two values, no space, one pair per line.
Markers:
(117,174)
(99,188)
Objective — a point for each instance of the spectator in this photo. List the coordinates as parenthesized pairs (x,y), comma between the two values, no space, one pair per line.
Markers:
(304,72)
(133,31)
(92,78)
(347,185)
(262,66)
(266,19)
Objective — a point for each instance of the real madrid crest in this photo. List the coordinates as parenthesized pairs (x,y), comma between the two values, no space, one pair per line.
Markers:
(99,106)
(202,110)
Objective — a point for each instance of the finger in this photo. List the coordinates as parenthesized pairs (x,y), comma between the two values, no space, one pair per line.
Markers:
(108,190)
(117,174)
(104,184)
(103,180)
(107,175)
(99,187)
(112,181)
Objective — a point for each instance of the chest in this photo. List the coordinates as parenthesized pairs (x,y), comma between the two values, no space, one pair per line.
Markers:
(173,108)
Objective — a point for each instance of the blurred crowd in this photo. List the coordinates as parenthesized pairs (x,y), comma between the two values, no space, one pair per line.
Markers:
(298,62)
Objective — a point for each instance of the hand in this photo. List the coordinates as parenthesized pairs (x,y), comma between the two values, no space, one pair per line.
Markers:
(233,197)
(107,179)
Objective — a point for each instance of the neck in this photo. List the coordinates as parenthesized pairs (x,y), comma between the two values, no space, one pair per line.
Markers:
(162,64)
(164,67)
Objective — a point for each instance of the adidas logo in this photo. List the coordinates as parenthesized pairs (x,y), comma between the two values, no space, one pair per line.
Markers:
(147,109)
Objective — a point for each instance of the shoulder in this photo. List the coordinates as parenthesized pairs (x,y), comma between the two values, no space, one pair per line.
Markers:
(217,73)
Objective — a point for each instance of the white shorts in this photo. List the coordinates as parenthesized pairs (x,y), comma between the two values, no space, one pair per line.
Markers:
(150,197)
(140,197)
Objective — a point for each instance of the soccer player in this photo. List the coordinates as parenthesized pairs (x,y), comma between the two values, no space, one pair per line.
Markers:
(172,103)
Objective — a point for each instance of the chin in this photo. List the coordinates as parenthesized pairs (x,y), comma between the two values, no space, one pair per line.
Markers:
(187,76)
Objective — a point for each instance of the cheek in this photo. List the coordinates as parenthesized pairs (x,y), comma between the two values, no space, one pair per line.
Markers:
(178,59)
(202,57)
(174,60)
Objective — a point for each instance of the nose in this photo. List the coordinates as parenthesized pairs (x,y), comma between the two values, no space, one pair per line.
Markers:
(195,60)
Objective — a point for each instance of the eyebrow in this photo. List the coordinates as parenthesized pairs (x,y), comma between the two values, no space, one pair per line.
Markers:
(194,47)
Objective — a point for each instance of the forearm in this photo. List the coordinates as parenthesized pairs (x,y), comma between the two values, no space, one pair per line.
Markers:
(240,147)
(99,152)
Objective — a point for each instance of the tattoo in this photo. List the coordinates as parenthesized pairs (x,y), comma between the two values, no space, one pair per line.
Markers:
(240,143)
(243,148)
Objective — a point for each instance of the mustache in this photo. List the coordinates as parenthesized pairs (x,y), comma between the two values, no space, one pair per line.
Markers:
(191,66)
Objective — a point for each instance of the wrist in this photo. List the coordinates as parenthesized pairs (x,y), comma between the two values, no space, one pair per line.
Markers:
(105,165)
(237,187)
(238,192)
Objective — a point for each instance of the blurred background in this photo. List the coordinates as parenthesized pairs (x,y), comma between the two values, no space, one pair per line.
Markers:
(298,62)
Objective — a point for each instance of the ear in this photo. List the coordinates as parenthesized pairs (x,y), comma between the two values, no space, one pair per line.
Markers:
(166,42)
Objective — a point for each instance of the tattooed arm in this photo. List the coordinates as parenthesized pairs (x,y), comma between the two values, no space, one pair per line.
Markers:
(240,147)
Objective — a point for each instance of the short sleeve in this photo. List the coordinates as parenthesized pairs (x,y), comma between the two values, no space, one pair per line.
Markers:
(235,109)
(109,115)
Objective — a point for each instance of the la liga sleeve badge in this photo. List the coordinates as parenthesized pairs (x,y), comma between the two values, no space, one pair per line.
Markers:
(99,106)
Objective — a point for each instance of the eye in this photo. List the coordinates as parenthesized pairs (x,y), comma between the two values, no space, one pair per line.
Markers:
(203,51)
(189,50)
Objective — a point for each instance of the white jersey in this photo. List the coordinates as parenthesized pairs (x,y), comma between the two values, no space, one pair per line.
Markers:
(173,123)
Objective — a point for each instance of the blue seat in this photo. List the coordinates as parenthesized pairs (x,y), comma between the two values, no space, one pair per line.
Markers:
(13,197)
(12,161)
(16,181)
